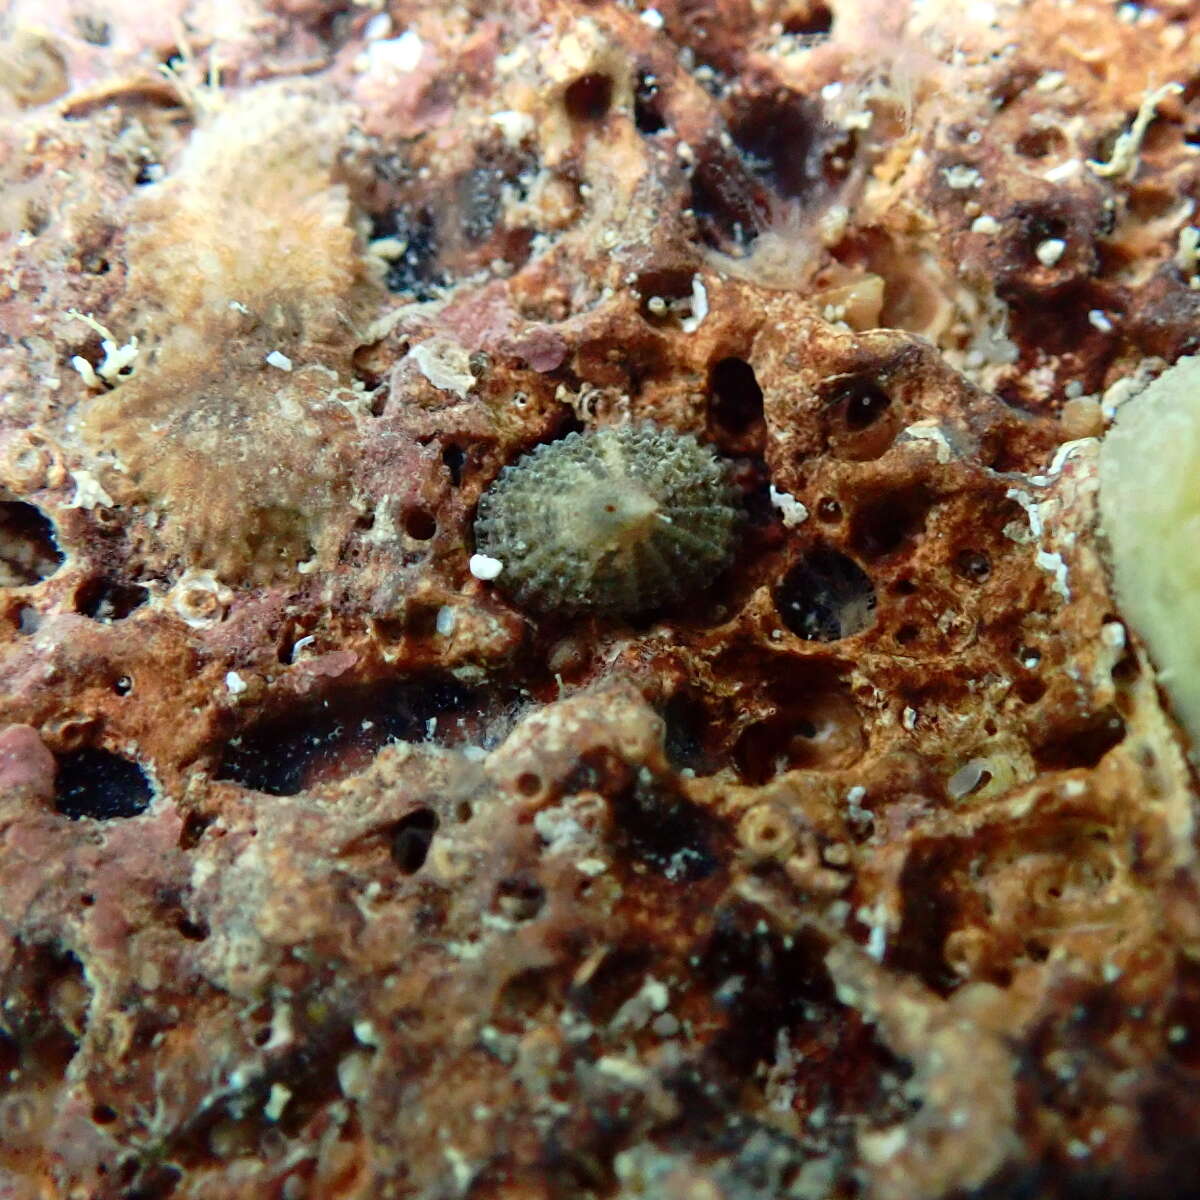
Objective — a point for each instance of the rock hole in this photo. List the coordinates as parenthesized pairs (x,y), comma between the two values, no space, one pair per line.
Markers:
(529,784)
(420,524)
(29,552)
(973,565)
(525,994)
(865,405)
(933,888)
(659,290)
(729,205)
(156,1181)
(1029,657)
(194,825)
(1182,1016)
(333,737)
(103,1115)
(781,136)
(28,619)
(735,399)
(122,685)
(589,97)
(454,459)
(809,20)
(194,931)
(890,522)
(1039,224)
(826,596)
(415,271)
(1055,320)
(10,1055)
(106,599)
(647,112)
(1041,143)
(684,723)
(615,979)
(519,898)
(1037,951)
(828,510)
(816,726)
(1082,745)
(665,833)
(412,836)
(780,984)
(101,785)
(860,424)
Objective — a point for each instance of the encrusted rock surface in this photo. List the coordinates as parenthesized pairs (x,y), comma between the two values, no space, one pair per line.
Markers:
(327,869)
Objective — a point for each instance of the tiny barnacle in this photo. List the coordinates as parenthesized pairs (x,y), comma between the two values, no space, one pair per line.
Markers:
(618,520)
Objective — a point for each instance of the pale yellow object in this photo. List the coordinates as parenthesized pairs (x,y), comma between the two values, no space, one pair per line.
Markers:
(1150,514)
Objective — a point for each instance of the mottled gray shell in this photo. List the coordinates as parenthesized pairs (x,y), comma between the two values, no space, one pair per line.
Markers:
(617,520)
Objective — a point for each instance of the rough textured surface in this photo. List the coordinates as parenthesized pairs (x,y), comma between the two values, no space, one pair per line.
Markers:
(617,521)
(331,870)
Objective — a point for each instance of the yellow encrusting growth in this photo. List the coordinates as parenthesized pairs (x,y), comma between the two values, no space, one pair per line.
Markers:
(1150,513)
(245,257)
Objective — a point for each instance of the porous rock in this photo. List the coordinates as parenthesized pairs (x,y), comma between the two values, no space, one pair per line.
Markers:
(331,869)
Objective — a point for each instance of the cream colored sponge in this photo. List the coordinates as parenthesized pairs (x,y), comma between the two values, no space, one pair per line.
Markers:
(1150,513)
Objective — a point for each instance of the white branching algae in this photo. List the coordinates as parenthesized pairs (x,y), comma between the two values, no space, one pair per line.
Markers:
(619,520)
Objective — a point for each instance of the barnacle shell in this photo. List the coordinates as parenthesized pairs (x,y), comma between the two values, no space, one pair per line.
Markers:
(616,520)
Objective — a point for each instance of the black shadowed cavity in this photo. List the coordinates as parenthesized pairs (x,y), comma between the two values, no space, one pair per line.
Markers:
(826,596)
(99,784)
(339,734)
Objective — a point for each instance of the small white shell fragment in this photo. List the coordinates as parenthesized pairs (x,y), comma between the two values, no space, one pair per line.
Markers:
(483,566)
(279,360)
(1050,251)
(277,1100)
(1054,564)
(653,18)
(1062,171)
(89,492)
(401,53)
(961,176)
(447,618)
(513,124)
(791,510)
(699,306)
(378,27)
(235,683)
(930,431)
(445,363)
(966,779)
